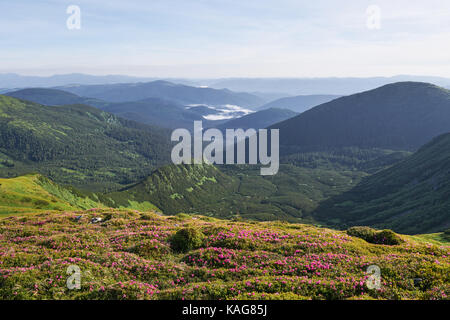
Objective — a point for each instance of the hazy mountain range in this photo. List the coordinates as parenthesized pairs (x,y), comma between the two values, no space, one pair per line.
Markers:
(267,88)
(318,86)
(182,94)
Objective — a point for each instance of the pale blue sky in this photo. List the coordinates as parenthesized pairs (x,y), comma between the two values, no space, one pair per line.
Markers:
(225,38)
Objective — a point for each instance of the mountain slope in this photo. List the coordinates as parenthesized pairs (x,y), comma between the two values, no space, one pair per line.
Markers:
(400,116)
(411,197)
(178,93)
(77,144)
(34,192)
(259,120)
(299,103)
(291,195)
(183,188)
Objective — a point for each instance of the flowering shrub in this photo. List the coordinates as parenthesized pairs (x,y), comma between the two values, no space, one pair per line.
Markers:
(187,239)
(133,255)
(387,237)
(447,234)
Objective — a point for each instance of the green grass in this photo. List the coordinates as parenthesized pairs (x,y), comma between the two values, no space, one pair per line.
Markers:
(36,193)
(434,238)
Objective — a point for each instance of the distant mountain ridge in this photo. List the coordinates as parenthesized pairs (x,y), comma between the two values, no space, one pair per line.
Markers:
(54,97)
(299,104)
(318,86)
(264,86)
(13,80)
(400,116)
(165,90)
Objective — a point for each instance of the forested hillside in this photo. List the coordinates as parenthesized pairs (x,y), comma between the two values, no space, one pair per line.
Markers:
(77,144)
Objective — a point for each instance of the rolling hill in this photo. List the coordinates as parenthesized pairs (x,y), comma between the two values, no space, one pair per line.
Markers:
(299,104)
(400,116)
(77,144)
(165,90)
(259,120)
(411,197)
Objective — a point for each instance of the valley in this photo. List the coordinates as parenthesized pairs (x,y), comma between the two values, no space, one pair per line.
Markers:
(102,170)
(126,164)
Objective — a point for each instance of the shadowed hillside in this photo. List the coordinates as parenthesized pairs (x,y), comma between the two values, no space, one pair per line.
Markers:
(400,116)
(412,197)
